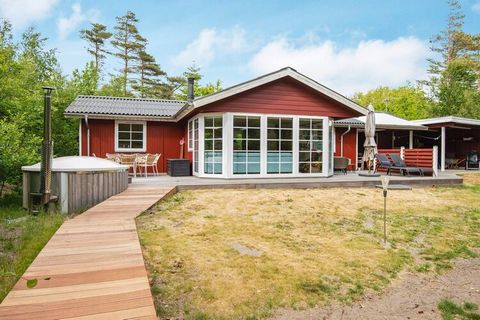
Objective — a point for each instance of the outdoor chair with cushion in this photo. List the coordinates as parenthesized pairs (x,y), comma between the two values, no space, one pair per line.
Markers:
(341,163)
(399,164)
(383,162)
(130,161)
(152,161)
(473,161)
(113,157)
(141,163)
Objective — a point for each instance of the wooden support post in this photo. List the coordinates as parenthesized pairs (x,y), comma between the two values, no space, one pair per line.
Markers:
(442,157)
(410,140)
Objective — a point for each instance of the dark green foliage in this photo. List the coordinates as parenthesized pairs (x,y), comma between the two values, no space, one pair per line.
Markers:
(96,37)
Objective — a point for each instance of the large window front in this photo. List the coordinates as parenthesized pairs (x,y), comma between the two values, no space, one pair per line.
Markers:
(310,145)
(279,145)
(246,145)
(213,144)
(130,136)
(256,145)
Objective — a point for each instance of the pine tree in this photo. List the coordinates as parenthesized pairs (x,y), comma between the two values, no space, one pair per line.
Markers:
(446,44)
(149,73)
(127,42)
(96,37)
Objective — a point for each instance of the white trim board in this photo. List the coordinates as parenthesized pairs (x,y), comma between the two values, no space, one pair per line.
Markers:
(459,120)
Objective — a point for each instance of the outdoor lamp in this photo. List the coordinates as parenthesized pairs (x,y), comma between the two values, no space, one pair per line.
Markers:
(385,180)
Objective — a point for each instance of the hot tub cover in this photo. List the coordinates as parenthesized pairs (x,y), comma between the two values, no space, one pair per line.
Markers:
(78,163)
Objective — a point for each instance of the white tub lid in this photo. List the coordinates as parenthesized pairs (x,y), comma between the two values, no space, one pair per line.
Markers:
(78,163)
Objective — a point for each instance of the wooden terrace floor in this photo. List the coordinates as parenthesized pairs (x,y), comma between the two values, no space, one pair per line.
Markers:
(92,268)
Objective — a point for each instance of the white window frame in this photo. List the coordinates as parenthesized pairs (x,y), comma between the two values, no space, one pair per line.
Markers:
(227,171)
(190,135)
(143,149)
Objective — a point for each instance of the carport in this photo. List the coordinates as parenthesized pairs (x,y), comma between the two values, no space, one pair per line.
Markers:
(457,138)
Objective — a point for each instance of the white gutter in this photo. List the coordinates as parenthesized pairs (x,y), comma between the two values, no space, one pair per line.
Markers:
(341,140)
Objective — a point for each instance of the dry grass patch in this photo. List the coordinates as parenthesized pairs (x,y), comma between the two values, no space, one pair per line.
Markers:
(316,245)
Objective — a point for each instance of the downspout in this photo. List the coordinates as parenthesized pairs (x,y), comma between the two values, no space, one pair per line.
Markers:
(88,135)
(341,140)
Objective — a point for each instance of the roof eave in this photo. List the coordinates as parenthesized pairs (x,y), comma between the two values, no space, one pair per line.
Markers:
(118,117)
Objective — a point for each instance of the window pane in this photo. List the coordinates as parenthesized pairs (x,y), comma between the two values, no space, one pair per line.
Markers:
(208,167)
(253,168)
(254,122)
(286,145)
(317,167)
(124,135)
(273,145)
(304,156)
(218,144)
(240,157)
(217,121)
(273,168)
(239,121)
(253,133)
(287,134)
(253,157)
(304,167)
(287,123)
(217,167)
(137,136)
(316,156)
(137,127)
(208,134)
(239,168)
(273,134)
(123,144)
(254,145)
(286,168)
(304,124)
(239,133)
(208,122)
(286,156)
(217,156)
(273,157)
(304,135)
(137,144)
(304,145)
(317,135)
(273,122)
(218,133)
(317,145)
(239,144)
(208,156)
(317,123)
(123,127)
(208,144)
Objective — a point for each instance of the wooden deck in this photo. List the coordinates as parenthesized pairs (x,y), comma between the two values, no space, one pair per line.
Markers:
(92,268)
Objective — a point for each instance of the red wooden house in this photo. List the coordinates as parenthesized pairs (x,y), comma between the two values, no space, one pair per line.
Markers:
(278,125)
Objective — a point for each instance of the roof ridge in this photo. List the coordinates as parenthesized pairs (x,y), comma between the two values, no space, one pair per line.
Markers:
(130,98)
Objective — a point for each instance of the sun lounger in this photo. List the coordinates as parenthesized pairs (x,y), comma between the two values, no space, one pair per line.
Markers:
(399,164)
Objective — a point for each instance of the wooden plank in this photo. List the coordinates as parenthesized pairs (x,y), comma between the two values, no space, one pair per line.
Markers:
(93,267)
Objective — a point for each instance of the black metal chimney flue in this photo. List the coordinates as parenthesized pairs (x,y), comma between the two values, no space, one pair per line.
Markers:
(190,89)
(47,147)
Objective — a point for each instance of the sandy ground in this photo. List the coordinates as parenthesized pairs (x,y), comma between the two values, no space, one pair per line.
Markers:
(411,296)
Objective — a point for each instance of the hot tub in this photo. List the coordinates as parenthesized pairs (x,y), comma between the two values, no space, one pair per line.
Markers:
(78,182)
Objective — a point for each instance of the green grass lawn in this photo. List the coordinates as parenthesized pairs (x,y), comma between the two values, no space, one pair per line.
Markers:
(22,236)
(305,248)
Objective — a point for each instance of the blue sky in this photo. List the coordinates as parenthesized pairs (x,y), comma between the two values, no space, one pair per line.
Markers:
(347,45)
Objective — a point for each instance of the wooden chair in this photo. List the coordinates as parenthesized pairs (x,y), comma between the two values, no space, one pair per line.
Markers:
(141,162)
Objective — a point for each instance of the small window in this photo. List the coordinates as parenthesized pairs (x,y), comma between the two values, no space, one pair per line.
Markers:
(190,135)
(130,136)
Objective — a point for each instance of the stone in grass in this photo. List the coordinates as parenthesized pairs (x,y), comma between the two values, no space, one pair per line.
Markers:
(246,251)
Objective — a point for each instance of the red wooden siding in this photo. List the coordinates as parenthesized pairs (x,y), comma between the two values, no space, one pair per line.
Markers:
(162,137)
(283,96)
(349,144)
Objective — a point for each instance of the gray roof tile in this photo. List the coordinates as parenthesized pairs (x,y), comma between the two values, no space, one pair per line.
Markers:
(124,106)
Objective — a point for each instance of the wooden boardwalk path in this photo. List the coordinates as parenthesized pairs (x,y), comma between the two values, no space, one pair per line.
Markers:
(92,268)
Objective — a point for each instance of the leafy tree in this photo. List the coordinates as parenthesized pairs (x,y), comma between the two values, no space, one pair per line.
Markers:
(128,42)
(96,37)
(407,101)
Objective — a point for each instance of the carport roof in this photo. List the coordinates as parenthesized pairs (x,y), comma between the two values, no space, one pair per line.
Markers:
(448,119)
(383,120)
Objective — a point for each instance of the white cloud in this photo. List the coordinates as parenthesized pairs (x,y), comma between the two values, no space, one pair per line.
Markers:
(209,44)
(476,7)
(370,64)
(22,12)
(66,25)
